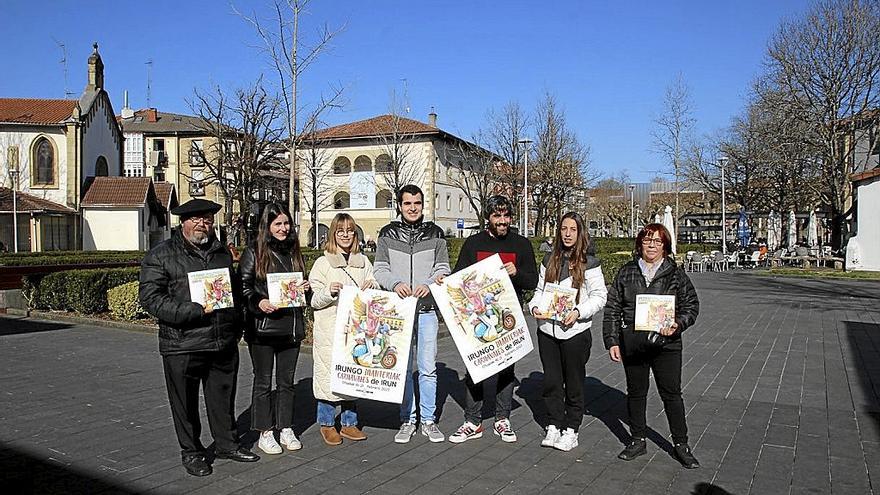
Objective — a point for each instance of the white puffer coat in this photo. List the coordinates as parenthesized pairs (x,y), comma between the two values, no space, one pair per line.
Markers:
(326,270)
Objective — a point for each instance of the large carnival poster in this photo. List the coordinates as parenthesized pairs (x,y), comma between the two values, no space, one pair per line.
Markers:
(484,316)
(371,344)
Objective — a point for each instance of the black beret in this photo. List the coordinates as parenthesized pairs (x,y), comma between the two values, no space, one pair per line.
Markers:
(195,207)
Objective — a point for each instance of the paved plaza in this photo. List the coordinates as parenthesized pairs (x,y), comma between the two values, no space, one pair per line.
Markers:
(782,379)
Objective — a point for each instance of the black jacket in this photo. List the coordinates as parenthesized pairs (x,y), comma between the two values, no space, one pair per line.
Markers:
(164,293)
(254,289)
(619,320)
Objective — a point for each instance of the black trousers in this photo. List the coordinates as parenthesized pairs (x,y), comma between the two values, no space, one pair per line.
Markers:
(216,372)
(283,358)
(564,362)
(666,367)
(473,405)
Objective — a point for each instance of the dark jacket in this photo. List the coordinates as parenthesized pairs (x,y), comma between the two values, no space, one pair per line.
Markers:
(619,321)
(254,289)
(164,293)
(411,253)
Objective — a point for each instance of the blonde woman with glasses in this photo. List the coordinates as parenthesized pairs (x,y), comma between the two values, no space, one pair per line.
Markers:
(342,264)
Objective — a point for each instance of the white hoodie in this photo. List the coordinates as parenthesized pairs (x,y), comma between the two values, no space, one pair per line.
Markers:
(591,299)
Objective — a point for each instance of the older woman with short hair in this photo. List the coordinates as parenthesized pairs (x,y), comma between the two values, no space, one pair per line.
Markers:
(652,271)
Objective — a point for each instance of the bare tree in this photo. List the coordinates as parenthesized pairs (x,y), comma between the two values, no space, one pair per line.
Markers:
(397,135)
(827,63)
(608,205)
(562,165)
(504,131)
(315,171)
(290,56)
(243,131)
(475,171)
(673,127)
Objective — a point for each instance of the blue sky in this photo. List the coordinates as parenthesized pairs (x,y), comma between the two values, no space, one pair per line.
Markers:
(607,62)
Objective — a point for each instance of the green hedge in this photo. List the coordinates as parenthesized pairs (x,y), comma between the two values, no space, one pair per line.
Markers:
(122,301)
(70,258)
(80,291)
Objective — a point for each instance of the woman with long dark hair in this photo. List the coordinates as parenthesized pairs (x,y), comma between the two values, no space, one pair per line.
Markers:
(564,346)
(273,334)
(342,264)
(653,271)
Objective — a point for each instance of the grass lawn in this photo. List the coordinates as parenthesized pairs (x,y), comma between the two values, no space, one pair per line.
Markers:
(819,273)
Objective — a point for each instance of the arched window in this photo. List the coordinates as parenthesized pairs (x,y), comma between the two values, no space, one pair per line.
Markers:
(384,163)
(342,165)
(101,169)
(44,163)
(363,164)
(384,199)
(460,203)
(341,200)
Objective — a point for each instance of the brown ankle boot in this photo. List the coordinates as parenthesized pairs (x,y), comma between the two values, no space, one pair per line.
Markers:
(352,433)
(330,435)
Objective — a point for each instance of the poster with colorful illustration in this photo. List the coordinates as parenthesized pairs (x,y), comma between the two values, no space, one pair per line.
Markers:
(211,288)
(285,290)
(557,301)
(484,317)
(371,344)
(654,312)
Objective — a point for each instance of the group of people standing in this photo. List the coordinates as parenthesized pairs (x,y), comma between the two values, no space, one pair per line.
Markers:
(199,344)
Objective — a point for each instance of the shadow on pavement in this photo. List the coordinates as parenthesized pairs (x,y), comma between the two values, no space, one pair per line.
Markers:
(709,489)
(24,474)
(863,340)
(15,326)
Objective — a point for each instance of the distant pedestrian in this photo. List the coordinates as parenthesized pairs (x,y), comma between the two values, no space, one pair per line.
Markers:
(546,245)
(198,344)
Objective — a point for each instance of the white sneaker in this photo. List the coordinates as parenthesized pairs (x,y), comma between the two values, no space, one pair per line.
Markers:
(552,436)
(504,430)
(268,444)
(466,432)
(289,440)
(567,441)
(405,432)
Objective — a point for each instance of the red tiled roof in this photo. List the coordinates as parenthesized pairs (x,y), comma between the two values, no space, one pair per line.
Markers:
(35,111)
(867,174)
(376,126)
(29,203)
(118,191)
(163,193)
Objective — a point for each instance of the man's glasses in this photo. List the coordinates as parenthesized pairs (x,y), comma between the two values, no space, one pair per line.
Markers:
(202,220)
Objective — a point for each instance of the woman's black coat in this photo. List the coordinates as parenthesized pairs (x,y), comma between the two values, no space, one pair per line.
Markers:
(255,289)
(618,325)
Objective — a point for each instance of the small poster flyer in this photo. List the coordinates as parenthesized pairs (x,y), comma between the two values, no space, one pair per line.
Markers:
(211,288)
(654,312)
(371,344)
(484,316)
(285,290)
(557,301)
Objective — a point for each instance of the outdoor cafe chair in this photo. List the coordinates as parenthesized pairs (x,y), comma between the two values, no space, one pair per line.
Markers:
(719,261)
(696,263)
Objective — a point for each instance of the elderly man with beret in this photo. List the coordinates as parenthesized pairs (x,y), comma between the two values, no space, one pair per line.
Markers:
(198,344)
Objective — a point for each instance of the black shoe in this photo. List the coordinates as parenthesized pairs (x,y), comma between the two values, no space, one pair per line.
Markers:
(240,455)
(197,465)
(684,455)
(636,448)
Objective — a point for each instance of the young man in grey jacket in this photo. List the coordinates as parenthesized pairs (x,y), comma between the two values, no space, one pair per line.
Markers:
(411,254)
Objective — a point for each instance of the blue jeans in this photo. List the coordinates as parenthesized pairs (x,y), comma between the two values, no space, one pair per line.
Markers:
(327,413)
(425,349)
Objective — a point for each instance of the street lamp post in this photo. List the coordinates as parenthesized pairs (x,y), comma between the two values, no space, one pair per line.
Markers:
(722,161)
(632,210)
(13,173)
(525,221)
